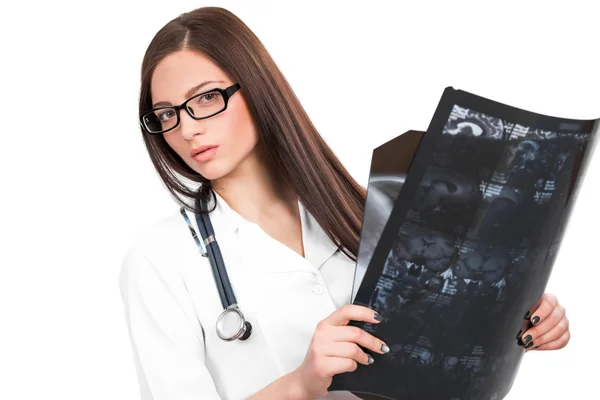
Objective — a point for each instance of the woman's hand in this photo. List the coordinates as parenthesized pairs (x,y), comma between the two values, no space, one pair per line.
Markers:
(550,330)
(334,349)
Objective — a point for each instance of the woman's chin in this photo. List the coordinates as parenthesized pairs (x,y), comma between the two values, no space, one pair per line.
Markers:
(212,172)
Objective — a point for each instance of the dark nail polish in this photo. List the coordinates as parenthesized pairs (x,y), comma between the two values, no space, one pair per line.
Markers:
(527,339)
(519,334)
(384,348)
(378,317)
(371,360)
(535,320)
(529,345)
(527,315)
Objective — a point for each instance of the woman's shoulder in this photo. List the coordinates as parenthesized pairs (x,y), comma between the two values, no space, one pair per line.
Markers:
(159,232)
(159,245)
(152,273)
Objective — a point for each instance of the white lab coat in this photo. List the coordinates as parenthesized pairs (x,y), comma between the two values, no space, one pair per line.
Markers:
(171,305)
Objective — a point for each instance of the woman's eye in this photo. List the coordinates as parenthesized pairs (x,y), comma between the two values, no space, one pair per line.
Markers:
(206,98)
(165,115)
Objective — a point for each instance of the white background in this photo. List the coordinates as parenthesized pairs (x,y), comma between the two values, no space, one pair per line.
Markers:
(78,184)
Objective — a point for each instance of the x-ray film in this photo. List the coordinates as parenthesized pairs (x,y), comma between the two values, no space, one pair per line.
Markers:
(461,229)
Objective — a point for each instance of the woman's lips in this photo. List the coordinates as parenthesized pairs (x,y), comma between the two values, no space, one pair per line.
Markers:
(206,154)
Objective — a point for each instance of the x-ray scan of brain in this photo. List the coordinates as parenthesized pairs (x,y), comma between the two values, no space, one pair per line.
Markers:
(416,264)
(466,122)
(484,264)
(430,251)
(445,199)
(522,155)
(441,186)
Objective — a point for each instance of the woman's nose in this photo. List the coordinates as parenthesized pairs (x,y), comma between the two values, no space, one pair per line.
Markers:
(189,126)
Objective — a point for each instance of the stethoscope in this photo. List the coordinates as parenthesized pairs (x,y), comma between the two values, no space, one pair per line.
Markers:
(231,324)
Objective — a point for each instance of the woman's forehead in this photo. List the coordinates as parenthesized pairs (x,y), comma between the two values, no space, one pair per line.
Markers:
(178,72)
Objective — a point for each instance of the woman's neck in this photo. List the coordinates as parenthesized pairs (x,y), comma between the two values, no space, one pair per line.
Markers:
(254,190)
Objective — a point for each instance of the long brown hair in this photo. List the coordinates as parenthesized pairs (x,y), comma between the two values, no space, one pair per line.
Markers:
(293,145)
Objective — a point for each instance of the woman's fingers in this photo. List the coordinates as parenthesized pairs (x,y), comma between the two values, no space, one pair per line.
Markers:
(547,324)
(343,345)
(555,344)
(338,365)
(547,305)
(551,327)
(548,337)
(359,336)
(352,312)
(555,331)
(348,350)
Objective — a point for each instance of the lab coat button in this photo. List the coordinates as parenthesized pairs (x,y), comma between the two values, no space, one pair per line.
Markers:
(318,289)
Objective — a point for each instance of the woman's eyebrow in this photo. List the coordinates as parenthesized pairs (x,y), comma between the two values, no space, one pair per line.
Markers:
(188,94)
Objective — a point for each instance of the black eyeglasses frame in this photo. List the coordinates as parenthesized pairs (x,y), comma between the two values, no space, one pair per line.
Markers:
(226,93)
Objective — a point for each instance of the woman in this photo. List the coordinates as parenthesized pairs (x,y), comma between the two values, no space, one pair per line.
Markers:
(287,216)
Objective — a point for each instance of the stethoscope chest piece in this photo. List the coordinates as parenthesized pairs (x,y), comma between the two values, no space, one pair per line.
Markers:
(232,325)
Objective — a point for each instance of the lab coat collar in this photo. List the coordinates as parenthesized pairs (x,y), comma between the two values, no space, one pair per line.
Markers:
(318,247)
(225,217)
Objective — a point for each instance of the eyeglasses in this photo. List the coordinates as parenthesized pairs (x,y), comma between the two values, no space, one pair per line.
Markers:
(200,106)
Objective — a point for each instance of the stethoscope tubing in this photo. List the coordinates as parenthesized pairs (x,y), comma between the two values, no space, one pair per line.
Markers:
(216,260)
(212,251)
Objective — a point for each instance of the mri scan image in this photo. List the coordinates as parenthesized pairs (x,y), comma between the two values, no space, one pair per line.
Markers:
(458,242)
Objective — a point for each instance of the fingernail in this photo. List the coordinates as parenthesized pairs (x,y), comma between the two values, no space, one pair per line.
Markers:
(520,333)
(529,345)
(371,360)
(527,339)
(377,317)
(527,315)
(384,348)
(535,320)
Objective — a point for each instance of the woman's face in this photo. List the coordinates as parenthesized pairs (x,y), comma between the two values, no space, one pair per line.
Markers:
(232,130)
